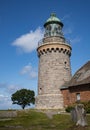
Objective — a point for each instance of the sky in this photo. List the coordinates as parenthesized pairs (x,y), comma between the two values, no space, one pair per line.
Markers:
(21,27)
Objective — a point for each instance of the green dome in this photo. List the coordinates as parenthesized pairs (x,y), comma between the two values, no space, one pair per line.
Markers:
(53,19)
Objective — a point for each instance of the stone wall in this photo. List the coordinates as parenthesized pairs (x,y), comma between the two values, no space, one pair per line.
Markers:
(54,71)
(8,114)
(49,101)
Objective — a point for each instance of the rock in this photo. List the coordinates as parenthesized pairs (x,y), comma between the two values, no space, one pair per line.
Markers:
(79,115)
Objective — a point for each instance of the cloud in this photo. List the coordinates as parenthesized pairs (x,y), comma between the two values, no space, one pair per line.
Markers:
(3,98)
(8,88)
(69,28)
(26,69)
(5,101)
(33,74)
(29,42)
(75,40)
(67,16)
(29,71)
(13,88)
(67,31)
(5,94)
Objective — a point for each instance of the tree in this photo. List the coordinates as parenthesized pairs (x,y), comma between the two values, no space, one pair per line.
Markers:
(23,97)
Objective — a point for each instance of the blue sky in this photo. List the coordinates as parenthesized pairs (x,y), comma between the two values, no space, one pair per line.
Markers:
(21,27)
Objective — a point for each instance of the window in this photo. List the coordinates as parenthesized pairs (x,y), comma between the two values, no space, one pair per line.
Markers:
(65,62)
(78,96)
(66,66)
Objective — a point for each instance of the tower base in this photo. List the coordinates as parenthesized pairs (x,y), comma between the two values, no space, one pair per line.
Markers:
(49,101)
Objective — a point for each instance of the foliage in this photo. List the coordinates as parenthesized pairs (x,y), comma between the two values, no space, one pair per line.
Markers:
(23,97)
(86,106)
(69,108)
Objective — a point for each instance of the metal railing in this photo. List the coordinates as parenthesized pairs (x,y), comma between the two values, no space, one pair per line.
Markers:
(52,39)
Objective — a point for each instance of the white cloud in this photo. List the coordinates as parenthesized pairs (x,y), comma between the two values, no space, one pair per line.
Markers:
(67,31)
(26,69)
(28,42)
(33,74)
(1,95)
(6,91)
(67,16)
(5,94)
(3,98)
(75,40)
(5,101)
(29,71)
(13,88)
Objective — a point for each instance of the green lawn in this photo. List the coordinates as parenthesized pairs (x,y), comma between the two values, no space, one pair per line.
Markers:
(33,120)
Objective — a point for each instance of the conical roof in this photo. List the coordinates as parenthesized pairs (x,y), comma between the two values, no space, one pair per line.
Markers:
(53,19)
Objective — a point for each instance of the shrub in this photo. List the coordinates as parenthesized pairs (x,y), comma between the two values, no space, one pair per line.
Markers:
(69,108)
(86,106)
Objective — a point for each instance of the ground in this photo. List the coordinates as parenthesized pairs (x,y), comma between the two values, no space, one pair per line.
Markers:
(40,120)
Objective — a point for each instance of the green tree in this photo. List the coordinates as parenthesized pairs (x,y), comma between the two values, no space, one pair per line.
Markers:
(23,97)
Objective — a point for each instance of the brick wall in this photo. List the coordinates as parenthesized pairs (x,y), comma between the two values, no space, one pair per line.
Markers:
(69,95)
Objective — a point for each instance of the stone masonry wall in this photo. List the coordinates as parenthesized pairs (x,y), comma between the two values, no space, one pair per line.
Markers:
(49,101)
(54,71)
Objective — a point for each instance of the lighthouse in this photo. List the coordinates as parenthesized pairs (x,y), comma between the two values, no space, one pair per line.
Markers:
(54,69)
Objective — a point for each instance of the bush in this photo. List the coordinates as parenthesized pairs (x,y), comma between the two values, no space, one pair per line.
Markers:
(86,106)
(69,108)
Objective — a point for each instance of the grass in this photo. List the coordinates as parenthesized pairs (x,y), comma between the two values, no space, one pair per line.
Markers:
(33,120)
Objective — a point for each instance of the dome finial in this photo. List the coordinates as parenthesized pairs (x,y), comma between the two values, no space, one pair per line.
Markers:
(53,15)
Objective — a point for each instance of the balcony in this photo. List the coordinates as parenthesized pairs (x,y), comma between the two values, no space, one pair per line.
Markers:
(54,39)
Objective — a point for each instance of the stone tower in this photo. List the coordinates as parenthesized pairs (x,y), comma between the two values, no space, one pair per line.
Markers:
(54,65)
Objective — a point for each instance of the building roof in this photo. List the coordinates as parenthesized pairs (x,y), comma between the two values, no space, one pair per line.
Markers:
(82,76)
(53,19)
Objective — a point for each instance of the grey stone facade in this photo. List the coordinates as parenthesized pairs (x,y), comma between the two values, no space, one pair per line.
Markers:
(54,65)
(54,71)
(49,101)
